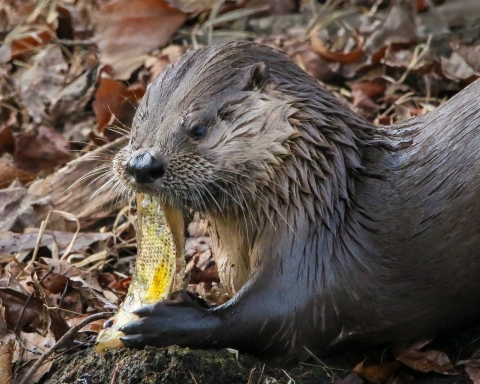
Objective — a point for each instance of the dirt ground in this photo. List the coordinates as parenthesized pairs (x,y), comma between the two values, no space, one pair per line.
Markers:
(177,365)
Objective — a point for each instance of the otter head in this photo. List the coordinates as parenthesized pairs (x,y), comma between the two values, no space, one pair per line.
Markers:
(211,129)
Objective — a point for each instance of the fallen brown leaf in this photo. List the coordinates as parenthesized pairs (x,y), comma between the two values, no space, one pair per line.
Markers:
(9,172)
(115,102)
(26,38)
(456,68)
(41,150)
(168,55)
(398,27)
(363,91)
(7,142)
(376,373)
(343,58)
(470,53)
(424,361)
(95,326)
(29,349)
(6,360)
(40,84)
(128,30)
(16,242)
(14,298)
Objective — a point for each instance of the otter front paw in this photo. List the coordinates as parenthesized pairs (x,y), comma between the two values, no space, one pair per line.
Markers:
(180,321)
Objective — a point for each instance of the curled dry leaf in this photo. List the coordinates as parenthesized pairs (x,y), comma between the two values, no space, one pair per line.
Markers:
(424,361)
(343,58)
(128,30)
(376,373)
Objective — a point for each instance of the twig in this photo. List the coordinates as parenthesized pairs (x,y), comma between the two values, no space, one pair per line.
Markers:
(29,298)
(59,343)
(83,43)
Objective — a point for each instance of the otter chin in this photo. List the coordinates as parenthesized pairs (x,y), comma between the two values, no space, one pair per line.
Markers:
(327,231)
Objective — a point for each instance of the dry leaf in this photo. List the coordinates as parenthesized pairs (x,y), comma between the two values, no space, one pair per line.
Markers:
(424,361)
(40,84)
(128,30)
(41,149)
(470,53)
(24,39)
(343,58)
(456,68)
(115,102)
(398,27)
(17,242)
(7,141)
(94,326)
(377,373)
(6,359)
(9,172)
(35,346)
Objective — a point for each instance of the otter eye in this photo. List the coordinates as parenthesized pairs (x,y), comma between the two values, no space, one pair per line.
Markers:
(198,132)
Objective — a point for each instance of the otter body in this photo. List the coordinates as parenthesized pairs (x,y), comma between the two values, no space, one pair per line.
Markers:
(327,231)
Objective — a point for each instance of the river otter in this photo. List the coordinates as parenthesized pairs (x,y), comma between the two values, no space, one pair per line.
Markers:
(327,231)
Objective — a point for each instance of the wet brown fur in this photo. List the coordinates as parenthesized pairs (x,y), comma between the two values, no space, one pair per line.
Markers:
(327,231)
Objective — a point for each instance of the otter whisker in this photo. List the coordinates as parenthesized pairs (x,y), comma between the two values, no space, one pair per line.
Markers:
(243,175)
(119,130)
(100,177)
(247,206)
(91,173)
(215,201)
(102,188)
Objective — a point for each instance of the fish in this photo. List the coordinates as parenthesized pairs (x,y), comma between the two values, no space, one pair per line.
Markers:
(155,266)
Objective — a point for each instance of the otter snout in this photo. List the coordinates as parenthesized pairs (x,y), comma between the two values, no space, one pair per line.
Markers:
(145,168)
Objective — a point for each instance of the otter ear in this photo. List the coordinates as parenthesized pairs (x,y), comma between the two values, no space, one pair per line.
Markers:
(256,76)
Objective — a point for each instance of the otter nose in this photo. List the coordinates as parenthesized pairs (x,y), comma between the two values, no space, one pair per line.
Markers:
(145,168)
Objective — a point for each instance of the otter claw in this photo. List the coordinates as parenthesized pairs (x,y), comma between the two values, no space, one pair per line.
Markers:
(134,341)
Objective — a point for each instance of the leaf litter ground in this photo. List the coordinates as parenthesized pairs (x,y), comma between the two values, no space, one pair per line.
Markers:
(71,76)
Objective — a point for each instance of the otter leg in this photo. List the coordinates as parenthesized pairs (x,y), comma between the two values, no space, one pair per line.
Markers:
(262,319)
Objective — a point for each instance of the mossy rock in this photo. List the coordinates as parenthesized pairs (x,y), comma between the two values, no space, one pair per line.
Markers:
(175,365)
